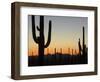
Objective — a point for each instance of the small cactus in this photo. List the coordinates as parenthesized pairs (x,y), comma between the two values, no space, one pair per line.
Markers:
(68,50)
(72,51)
(55,51)
(60,50)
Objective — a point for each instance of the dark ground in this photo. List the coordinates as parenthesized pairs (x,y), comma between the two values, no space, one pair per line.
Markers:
(58,59)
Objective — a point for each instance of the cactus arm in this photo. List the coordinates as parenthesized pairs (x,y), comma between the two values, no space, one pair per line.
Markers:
(49,36)
(38,28)
(33,30)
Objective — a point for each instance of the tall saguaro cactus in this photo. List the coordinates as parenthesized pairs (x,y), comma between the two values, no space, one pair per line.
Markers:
(83,41)
(79,45)
(40,40)
(83,48)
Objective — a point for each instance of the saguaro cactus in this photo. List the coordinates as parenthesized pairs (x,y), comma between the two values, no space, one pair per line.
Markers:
(83,41)
(68,50)
(79,45)
(60,50)
(72,51)
(55,51)
(75,51)
(40,40)
(83,45)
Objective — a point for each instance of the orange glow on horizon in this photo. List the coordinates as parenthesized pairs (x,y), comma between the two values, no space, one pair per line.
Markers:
(34,51)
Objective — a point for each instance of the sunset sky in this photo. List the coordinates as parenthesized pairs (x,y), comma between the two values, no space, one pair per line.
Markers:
(65,33)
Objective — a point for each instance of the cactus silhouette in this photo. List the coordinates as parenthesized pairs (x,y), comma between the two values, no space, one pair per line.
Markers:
(83,52)
(68,50)
(75,51)
(55,51)
(40,40)
(72,51)
(79,45)
(60,50)
(83,48)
